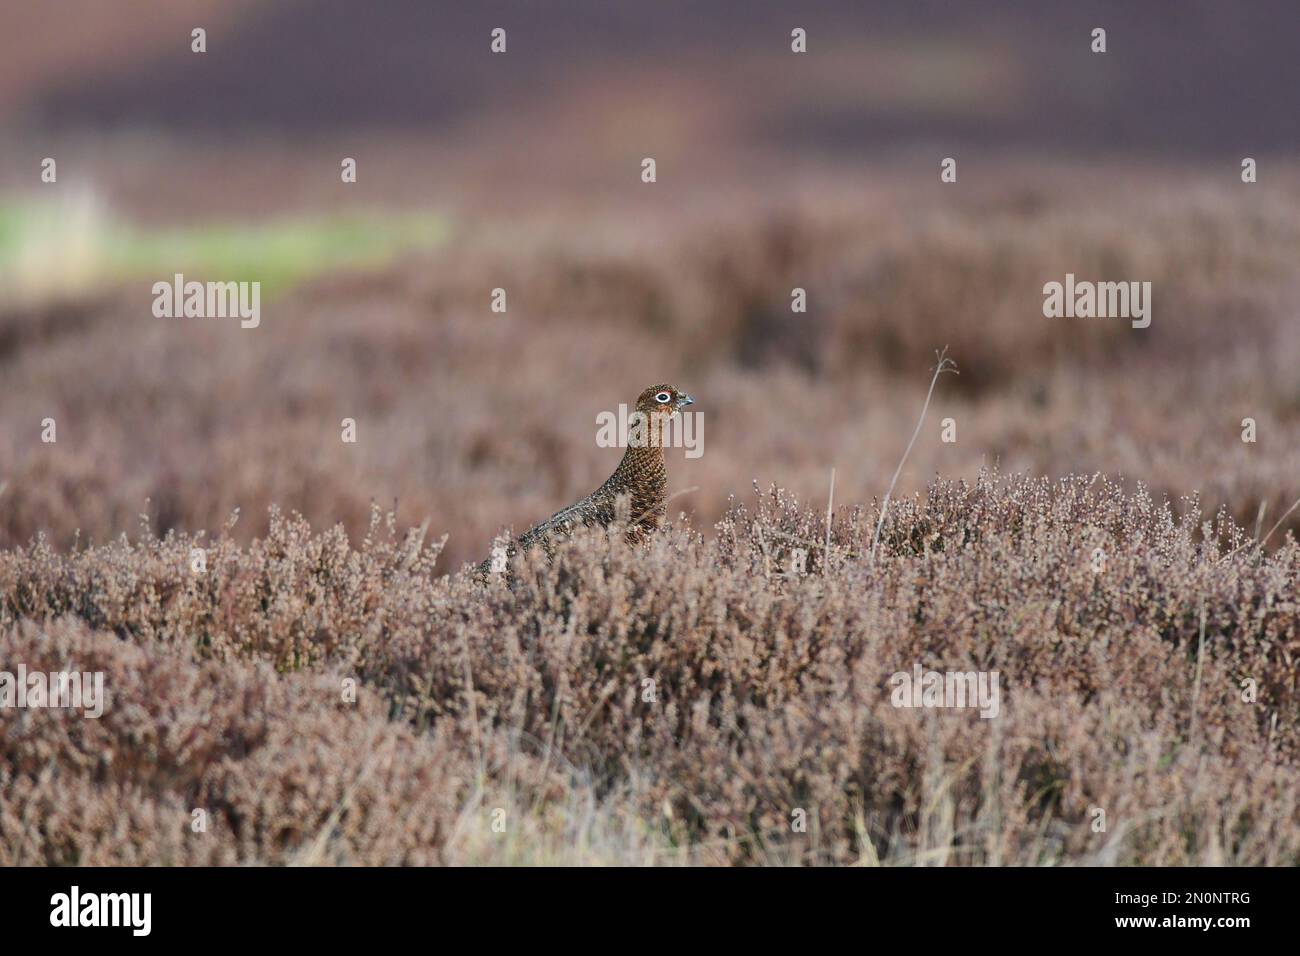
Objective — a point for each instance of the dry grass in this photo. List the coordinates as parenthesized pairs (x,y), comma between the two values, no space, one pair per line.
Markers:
(771,693)
(1122,689)
(475,420)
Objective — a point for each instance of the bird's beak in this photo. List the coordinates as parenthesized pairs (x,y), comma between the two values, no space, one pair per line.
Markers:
(683,400)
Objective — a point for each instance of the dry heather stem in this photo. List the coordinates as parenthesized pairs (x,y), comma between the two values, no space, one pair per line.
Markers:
(943,364)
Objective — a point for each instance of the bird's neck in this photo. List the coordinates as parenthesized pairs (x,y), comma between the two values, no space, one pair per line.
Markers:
(643,467)
(638,462)
(646,431)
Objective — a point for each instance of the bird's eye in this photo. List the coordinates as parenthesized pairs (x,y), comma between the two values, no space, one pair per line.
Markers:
(663,398)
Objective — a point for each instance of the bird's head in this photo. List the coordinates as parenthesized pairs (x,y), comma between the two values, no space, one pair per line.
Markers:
(662,401)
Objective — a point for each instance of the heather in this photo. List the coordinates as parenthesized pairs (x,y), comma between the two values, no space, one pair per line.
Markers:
(475,420)
(259,536)
(1098,533)
(1122,691)
(689,701)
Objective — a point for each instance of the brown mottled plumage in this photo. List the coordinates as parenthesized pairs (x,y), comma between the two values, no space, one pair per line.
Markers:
(640,480)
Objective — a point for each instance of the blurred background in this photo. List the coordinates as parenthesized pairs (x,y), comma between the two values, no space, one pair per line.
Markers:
(521,171)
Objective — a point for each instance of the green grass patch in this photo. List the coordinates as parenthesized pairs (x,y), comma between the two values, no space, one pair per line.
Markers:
(53,248)
(279,255)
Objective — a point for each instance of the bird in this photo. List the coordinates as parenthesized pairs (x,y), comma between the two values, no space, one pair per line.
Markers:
(635,493)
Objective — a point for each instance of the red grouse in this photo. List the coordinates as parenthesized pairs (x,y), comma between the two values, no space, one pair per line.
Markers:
(640,481)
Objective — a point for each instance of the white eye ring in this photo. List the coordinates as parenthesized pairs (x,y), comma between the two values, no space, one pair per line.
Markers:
(663,398)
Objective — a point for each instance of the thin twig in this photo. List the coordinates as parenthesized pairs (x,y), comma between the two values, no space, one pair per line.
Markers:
(473,706)
(1285,515)
(945,364)
(1196,681)
(1259,516)
(311,855)
(1261,542)
(830,504)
